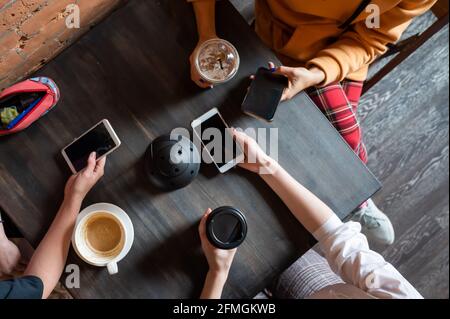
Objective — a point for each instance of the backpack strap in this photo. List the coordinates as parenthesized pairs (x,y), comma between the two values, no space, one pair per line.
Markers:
(362,6)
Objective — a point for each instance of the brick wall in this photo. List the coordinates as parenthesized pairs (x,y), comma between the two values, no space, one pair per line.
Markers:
(34,31)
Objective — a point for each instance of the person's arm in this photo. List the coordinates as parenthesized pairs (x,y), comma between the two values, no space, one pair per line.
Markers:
(205,16)
(309,210)
(49,259)
(219,262)
(346,249)
(213,287)
(362,45)
(353,50)
(9,253)
(299,78)
(348,254)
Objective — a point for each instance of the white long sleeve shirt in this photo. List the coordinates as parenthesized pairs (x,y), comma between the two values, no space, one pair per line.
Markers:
(348,254)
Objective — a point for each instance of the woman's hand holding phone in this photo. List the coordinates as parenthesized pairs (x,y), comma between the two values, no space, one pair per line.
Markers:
(81,183)
(256,160)
(299,79)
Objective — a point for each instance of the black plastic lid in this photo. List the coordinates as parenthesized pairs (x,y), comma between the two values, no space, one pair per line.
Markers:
(226,227)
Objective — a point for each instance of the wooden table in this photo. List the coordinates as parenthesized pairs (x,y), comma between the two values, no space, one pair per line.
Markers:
(133,70)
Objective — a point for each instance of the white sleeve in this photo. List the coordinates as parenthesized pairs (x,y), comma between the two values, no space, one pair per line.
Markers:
(349,256)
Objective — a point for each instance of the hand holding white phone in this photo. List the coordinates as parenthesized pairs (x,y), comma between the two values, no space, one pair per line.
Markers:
(204,128)
(100,139)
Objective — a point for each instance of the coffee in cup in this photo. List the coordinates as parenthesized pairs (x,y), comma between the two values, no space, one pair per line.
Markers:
(217,61)
(103,235)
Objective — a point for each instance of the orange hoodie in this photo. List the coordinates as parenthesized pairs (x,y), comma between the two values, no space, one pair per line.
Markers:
(306,32)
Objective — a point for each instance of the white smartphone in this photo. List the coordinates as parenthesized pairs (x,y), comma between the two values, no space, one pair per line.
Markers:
(101,139)
(213,132)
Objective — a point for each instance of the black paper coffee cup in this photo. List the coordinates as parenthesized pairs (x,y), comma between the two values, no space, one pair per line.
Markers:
(226,227)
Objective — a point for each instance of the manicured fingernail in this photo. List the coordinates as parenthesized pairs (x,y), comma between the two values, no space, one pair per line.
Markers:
(272,69)
(92,155)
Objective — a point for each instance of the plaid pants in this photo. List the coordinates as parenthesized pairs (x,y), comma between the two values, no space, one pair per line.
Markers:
(339,103)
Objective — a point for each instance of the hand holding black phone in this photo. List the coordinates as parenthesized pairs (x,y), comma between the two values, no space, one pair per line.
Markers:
(264,94)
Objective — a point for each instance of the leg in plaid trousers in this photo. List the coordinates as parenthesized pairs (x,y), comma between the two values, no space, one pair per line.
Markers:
(339,103)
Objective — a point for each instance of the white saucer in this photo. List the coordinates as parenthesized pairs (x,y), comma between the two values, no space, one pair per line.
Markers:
(121,215)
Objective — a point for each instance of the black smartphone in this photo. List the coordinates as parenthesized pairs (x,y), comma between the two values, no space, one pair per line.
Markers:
(264,94)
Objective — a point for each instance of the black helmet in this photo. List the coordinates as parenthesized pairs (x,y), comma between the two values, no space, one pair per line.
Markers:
(172,162)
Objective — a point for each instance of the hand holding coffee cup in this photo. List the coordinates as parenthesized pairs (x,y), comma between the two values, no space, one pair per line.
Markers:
(103,236)
(221,232)
(214,61)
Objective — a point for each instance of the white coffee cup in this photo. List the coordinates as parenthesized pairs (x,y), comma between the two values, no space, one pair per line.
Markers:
(121,243)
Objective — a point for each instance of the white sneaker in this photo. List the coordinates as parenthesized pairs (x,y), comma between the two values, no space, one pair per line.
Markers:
(374,224)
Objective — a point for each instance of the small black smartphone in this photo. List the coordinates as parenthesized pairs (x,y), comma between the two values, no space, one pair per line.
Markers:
(264,94)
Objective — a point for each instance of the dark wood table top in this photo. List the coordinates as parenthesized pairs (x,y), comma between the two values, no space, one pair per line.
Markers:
(133,70)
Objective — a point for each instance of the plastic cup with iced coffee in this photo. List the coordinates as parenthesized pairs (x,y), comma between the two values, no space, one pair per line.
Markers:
(217,61)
